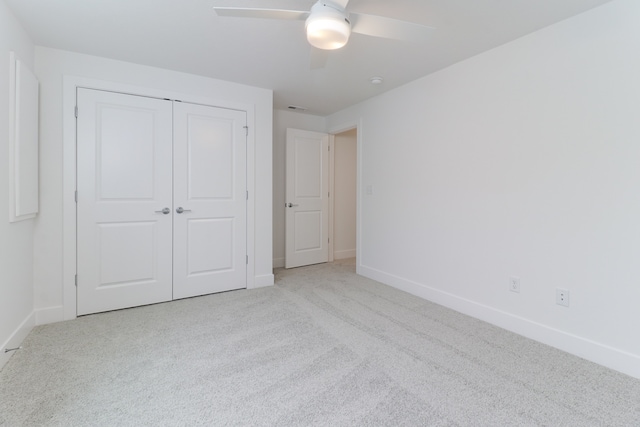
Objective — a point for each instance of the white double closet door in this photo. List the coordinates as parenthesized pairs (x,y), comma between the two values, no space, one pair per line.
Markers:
(161,204)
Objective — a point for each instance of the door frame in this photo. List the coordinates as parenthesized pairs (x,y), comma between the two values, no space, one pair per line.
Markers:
(333,131)
(69,250)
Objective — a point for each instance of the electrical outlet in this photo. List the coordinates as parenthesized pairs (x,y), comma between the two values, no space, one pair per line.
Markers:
(514,284)
(562,297)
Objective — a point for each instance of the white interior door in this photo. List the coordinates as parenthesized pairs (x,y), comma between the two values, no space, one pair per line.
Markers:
(124,182)
(210,200)
(307,198)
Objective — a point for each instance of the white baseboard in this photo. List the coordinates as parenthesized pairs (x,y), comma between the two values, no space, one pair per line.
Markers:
(344,254)
(49,315)
(263,281)
(349,253)
(16,338)
(601,354)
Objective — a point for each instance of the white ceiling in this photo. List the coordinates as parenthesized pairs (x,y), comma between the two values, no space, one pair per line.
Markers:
(186,35)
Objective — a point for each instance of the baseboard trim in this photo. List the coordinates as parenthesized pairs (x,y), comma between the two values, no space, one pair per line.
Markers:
(601,354)
(16,338)
(263,281)
(278,263)
(344,254)
(49,315)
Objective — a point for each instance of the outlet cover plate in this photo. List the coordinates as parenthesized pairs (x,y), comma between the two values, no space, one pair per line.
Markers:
(514,284)
(562,297)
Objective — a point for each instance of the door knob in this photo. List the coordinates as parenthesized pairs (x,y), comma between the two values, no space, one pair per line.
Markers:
(290,205)
(165,211)
(180,210)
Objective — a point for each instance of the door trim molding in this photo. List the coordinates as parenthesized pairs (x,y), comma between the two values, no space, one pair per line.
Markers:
(332,192)
(356,124)
(69,250)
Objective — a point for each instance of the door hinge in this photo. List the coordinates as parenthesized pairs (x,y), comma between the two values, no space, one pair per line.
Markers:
(247,259)
(247,194)
(76,279)
(246,128)
(75,196)
(76,111)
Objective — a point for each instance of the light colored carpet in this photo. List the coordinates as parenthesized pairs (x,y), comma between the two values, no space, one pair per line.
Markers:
(322,347)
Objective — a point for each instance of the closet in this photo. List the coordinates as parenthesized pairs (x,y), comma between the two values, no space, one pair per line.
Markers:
(161,200)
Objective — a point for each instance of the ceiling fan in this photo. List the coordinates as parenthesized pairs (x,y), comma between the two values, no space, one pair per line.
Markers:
(329,25)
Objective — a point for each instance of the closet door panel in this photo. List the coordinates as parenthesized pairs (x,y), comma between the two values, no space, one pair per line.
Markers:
(209,199)
(124,149)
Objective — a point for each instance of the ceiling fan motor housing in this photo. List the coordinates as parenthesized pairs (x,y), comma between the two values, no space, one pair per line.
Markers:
(327,27)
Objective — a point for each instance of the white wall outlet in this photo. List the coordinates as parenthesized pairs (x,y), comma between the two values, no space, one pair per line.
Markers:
(369,190)
(562,297)
(514,284)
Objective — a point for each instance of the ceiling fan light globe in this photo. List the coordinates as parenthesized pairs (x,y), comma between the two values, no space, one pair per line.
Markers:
(328,32)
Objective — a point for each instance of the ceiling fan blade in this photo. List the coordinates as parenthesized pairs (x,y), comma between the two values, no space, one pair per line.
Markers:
(318,58)
(379,26)
(238,12)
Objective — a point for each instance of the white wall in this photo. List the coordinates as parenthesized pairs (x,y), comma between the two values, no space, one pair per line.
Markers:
(16,248)
(522,161)
(281,121)
(344,195)
(51,67)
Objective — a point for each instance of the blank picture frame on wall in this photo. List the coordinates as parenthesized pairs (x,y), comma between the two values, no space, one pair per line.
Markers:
(23,151)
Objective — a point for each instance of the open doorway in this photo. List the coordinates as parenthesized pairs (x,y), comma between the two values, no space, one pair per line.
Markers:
(320,197)
(344,191)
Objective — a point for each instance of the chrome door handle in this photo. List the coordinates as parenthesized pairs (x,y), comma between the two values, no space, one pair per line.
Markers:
(165,211)
(289,205)
(180,210)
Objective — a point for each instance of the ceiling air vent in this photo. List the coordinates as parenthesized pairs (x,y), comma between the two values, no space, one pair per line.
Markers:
(297,108)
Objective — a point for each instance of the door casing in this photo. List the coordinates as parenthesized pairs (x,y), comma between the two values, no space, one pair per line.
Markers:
(334,130)
(330,169)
